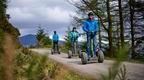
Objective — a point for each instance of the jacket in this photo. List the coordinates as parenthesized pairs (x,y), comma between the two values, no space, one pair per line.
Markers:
(73,36)
(55,38)
(90,26)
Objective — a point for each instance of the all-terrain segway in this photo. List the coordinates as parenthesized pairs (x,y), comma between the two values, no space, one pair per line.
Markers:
(93,56)
(75,51)
(55,49)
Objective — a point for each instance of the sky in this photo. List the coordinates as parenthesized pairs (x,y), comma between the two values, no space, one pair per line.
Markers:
(51,15)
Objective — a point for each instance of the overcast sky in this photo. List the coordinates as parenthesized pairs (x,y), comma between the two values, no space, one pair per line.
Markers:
(52,15)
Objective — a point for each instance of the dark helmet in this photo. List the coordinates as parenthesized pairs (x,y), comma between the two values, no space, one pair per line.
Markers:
(74,27)
(90,14)
(54,31)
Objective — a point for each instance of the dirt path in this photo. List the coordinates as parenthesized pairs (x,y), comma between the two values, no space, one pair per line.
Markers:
(135,71)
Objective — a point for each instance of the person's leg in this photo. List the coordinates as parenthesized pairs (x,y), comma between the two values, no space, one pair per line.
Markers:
(53,45)
(88,44)
(57,46)
(77,47)
(73,47)
(94,43)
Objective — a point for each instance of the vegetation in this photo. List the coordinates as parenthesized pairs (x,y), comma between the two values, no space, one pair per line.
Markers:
(119,21)
(118,70)
(67,41)
(32,66)
(26,65)
(43,38)
(8,37)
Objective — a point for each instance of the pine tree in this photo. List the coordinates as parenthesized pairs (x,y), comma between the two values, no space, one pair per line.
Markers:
(43,38)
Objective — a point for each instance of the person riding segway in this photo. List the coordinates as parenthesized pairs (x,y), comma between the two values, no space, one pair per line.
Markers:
(73,37)
(55,48)
(93,52)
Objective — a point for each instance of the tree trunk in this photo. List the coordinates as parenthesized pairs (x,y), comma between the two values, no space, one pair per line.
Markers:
(132,27)
(109,30)
(121,23)
(99,34)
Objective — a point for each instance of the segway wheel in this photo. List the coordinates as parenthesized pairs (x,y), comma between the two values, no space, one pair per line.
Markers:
(84,58)
(79,53)
(69,54)
(59,52)
(52,51)
(100,56)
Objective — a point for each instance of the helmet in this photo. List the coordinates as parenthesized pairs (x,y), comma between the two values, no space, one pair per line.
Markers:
(74,27)
(54,31)
(90,14)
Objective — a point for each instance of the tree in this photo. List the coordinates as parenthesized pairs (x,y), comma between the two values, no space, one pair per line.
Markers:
(109,29)
(8,39)
(98,8)
(136,17)
(121,22)
(132,26)
(67,40)
(42,38)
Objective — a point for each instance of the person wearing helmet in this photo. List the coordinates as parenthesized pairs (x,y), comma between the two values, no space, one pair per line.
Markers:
(73,37)
(90,26)
(55,40)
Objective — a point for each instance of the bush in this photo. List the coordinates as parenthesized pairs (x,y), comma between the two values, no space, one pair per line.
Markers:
(31,66)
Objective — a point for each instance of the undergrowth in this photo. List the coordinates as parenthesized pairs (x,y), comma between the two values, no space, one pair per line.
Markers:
(32,66)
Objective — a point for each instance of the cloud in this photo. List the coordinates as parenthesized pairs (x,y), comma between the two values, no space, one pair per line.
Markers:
(51,14)
(27,31)
(59,15)
(47,14)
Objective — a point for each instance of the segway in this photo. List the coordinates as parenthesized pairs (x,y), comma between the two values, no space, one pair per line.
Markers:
(75,51)
(55,50)
(99,55)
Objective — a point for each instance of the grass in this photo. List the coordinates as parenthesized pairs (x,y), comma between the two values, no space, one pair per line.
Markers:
(32,66)
(7,51)
(117,71)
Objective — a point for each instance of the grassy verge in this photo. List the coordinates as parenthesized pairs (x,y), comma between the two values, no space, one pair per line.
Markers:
(63,49)
(32,66)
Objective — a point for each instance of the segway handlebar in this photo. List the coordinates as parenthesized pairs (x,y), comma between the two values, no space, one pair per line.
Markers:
(85,33)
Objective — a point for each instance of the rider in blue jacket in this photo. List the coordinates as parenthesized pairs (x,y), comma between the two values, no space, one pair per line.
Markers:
(91,27)
(55,40)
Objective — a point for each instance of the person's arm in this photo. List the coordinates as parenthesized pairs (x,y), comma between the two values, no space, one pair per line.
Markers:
(85,26)
(58,37)
(78,34)
(96,26)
